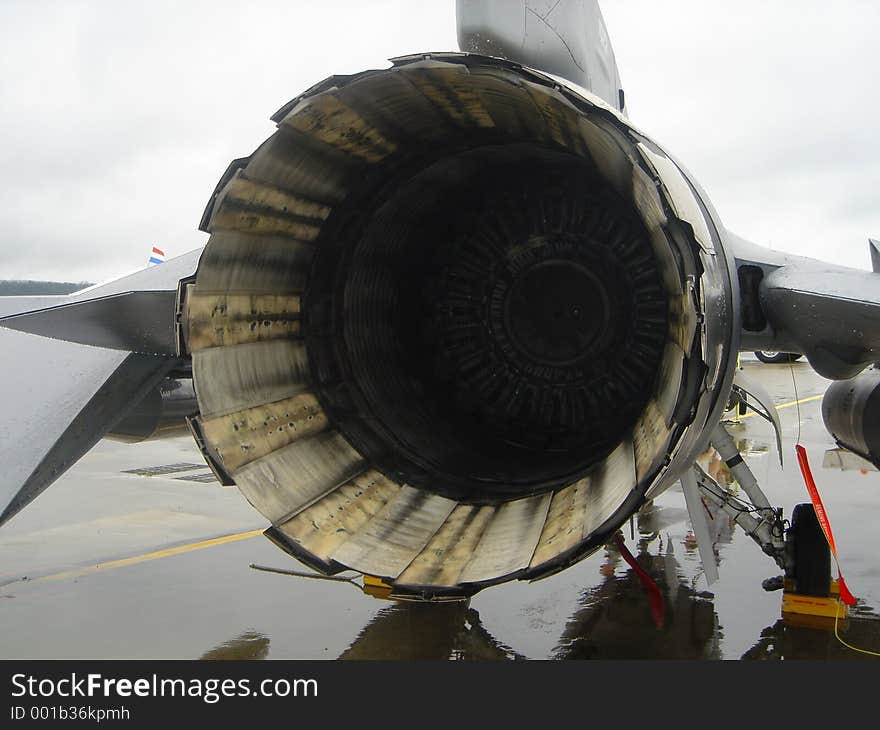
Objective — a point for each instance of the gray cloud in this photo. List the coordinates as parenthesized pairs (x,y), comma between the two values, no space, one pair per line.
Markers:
(118,118)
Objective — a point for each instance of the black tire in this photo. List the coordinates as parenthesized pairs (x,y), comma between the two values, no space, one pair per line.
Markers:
(809,553)
(769,356)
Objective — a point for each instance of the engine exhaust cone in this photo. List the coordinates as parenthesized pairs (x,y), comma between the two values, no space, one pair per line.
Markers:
(442,332)
(494,324)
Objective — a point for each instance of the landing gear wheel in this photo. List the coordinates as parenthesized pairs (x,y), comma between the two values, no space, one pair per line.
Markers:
(809,557)
(770,356)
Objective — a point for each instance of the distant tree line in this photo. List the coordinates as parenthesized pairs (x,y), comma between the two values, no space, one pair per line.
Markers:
(29,287)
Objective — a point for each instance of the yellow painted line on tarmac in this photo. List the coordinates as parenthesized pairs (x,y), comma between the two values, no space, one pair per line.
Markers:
(134,560)
(786,405)
(802,400)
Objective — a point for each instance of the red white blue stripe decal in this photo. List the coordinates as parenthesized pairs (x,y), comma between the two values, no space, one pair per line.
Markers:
(157,256)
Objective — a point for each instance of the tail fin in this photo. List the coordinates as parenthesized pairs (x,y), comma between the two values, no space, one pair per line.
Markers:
(566,38)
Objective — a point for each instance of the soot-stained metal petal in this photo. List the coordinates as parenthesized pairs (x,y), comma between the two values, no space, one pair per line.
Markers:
(293,477)
(564,528)
(293,161)
(509,540)
(670,379)
(341,514)
(445,85)
(396,535)
(609,486)
(259,208)
(244,436)
(331,121)
(258,264)
(216,319)
(230,379)
(444,558)
(651,435)
(259,195)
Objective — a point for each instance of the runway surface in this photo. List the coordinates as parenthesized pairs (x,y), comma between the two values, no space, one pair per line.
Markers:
(138,552)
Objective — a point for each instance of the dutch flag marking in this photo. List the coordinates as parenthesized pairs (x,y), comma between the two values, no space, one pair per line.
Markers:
(157,256)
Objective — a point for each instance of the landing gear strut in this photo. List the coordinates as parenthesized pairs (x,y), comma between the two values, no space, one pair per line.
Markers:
(801,551)
(762,522)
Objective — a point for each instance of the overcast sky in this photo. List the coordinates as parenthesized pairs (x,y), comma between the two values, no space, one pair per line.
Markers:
(118,118)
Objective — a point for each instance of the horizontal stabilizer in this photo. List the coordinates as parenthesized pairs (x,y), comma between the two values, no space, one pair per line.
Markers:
(59,399)
(138,321)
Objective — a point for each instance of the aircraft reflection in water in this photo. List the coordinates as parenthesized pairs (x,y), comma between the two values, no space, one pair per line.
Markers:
(249,645)
(783,641)
(613,620)
(420,631)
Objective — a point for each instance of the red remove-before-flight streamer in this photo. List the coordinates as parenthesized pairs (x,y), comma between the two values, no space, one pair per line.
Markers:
(822,516)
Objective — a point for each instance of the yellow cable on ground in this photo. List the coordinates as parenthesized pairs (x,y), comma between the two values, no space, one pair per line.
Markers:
(849,646)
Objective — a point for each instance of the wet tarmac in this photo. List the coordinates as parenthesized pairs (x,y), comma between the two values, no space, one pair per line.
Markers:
(136,552)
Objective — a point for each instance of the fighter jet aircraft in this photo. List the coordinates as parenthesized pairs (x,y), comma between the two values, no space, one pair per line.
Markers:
(457,320)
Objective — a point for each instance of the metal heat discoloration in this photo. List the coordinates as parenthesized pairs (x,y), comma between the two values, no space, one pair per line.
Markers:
(682,321)
(218,319)
(234,378)
(650,437)
(509,540)
(242,437)
(392,539)
(265,196)
(293,477)
(443,559)
(341,514)
(560,118)
(610,484)
(669,380)
(565,522)
(233,215)
(444,85)
(236,261)
(330,120)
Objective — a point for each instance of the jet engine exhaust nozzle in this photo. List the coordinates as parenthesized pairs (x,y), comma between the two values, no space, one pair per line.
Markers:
(446,330)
